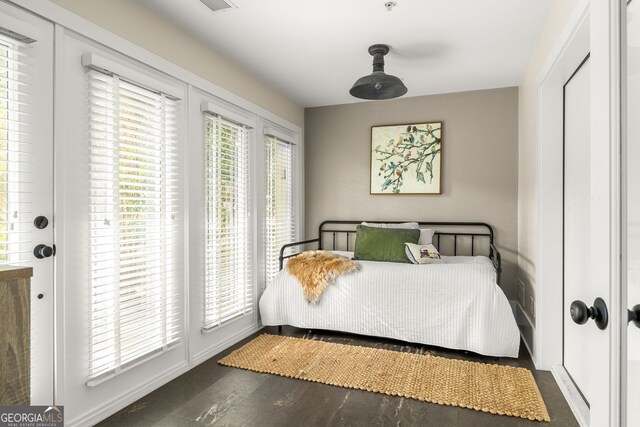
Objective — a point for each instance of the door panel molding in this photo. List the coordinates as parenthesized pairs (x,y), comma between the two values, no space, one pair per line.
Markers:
(577,241)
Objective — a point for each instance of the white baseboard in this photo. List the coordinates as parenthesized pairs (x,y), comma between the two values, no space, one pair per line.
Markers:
(572,395)
(95,416)
(198,358)
(525,325)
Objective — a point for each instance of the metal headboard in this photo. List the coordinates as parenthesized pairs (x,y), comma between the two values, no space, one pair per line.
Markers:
(447,239)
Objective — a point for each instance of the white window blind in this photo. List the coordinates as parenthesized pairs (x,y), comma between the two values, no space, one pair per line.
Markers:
(16,152)
(280,219)
(228,263)
(134,228)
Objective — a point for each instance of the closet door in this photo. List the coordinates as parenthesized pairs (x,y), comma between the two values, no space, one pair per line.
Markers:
(26,176)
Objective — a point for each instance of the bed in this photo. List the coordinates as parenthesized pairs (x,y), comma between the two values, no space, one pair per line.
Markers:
(456,304)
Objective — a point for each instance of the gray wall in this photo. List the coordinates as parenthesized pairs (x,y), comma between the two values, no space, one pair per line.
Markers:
(480,164)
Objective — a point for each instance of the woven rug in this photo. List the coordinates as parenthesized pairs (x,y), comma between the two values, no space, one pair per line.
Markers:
(496,389)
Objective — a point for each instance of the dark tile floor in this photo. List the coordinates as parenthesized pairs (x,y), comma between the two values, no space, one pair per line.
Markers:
(211,394)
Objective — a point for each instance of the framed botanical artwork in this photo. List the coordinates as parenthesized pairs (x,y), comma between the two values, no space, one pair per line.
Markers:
(406,159)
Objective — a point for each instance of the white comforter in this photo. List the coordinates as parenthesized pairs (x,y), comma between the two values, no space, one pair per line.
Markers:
(456,304)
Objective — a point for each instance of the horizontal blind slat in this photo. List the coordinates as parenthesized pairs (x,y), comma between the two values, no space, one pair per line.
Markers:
(279,204)
(228,257)
(16,152)
(135,263)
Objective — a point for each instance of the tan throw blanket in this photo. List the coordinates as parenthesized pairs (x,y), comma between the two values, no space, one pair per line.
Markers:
(315,270)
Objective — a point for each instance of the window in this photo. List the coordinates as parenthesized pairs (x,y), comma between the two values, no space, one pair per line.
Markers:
(133,208)
(280,221)
(16,151)
(228,275)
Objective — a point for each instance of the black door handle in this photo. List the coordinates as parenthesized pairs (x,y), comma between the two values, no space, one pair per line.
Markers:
(41,222)
(580,313)
(43,251)
(634,315)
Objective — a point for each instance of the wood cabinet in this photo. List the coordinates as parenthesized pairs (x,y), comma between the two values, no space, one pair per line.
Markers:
(15,336)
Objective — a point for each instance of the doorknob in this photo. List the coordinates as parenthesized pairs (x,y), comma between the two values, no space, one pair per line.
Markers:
(41,222)
(580,313)
(634,315)
(43,251)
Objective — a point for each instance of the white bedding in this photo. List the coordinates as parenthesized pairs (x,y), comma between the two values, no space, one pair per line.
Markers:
(455,304)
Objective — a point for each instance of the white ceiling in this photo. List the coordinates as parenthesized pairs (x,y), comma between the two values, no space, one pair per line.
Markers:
(313,51)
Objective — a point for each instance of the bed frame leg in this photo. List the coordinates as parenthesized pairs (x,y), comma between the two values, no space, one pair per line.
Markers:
(280,329)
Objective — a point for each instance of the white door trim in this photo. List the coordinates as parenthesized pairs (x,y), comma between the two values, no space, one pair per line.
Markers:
(58,211)
(606,129)
(624,301)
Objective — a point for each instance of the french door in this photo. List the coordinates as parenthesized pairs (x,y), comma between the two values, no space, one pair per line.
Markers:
(26,176)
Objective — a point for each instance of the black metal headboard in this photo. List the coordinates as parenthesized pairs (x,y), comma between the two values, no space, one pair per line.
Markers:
(451,238)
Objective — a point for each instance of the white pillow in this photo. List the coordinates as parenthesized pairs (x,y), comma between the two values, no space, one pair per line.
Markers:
(343,253)
(426,236)
(422,254)
(410,225)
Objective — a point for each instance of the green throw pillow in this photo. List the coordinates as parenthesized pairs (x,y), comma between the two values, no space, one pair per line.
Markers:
(383,244)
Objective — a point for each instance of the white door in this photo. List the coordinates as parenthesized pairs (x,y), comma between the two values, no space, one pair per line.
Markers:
(597,296)
(591,244)
(26,175)
(577,224)
(631,162)
(578,189)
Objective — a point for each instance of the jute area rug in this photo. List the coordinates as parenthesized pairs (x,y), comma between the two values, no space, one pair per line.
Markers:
(496,389)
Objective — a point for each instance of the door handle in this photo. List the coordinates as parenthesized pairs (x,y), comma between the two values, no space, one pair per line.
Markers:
(634,315)
(41,222)
(580,313)
(43,251)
